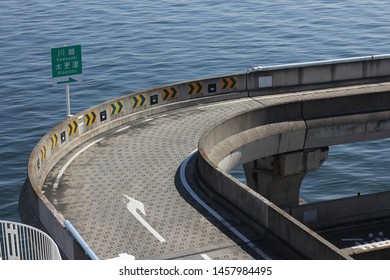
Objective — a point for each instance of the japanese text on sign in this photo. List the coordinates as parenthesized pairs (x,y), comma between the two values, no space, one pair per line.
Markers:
(66,61)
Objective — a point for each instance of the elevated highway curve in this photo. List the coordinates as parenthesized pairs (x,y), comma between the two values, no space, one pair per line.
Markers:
(128,177)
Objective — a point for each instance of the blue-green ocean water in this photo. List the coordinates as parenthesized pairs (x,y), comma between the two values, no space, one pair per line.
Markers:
(132,45)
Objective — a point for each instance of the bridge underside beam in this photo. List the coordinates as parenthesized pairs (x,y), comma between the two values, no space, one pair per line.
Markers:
(279,177)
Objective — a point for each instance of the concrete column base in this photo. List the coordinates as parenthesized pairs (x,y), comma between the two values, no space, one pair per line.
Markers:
(279,177)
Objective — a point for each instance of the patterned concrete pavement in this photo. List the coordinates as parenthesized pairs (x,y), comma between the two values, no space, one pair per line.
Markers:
(122,192)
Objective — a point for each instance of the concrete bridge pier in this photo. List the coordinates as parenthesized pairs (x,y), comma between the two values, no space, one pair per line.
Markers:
(279,177)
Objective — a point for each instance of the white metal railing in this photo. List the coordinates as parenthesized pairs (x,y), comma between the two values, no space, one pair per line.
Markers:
(22,242)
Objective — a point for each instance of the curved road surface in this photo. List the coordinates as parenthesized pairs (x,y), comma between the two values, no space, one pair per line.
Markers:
(123,192)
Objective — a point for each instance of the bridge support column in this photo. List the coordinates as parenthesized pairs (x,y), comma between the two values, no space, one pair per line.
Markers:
(279,177)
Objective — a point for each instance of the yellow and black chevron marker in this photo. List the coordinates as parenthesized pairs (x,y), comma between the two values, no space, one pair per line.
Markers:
(138,100)
(72,128)
(116,107)
(90,118)
(194,88)
(43,153)
(54,141)
(170,93)
(229,83)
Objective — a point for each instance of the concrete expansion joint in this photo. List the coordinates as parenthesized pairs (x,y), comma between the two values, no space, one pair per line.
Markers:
(256,100)
(305,123)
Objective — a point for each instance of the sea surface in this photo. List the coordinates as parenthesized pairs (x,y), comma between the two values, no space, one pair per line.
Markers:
(133,45)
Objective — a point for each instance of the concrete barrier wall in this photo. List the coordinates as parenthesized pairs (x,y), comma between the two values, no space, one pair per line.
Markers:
(288,78)
(303,239)
(259,142)
(369,100)
(251,119)
(347,129)
(345,210)
(381,253)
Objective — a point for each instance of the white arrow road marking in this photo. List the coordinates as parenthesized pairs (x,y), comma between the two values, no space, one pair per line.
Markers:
(124,256)
(133,205)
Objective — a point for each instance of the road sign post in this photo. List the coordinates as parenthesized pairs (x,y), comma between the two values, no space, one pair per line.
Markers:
(67,68)
(68,114)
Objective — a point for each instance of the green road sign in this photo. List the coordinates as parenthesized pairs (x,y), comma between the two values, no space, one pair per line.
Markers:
(66,65)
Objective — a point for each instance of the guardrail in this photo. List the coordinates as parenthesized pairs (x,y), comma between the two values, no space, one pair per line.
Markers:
(23,242)
(318,74)
(81,241)
(76,130)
